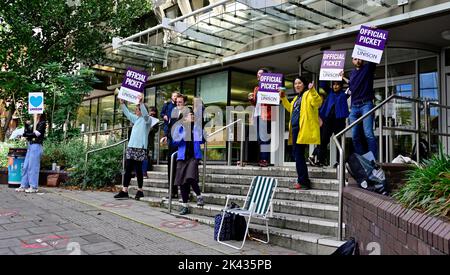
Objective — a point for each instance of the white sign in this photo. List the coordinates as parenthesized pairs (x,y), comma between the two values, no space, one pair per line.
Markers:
(269,98)
(35,103)
(129,95)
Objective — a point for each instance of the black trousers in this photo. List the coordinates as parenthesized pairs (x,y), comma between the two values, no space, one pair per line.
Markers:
(186,189)
(137,166)
(330,127)
(172,149)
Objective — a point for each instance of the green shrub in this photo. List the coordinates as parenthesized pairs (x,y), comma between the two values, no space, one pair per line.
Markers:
(428,187)
(101,170)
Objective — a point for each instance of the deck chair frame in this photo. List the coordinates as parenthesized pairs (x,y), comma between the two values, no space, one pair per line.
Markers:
(253,209)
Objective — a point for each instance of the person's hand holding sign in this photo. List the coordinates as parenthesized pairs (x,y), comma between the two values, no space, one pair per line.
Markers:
(311,85)
(282,91)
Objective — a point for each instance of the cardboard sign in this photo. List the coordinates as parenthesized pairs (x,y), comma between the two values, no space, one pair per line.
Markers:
(332,65)
(269,84)
(35,103)
(133,86)
(370,44)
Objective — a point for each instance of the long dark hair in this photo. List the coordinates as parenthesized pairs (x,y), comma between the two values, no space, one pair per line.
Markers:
(305,82)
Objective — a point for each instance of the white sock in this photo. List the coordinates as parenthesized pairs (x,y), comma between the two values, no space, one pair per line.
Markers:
(185,204)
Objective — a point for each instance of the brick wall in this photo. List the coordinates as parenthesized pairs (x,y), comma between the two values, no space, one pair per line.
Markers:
(382,226)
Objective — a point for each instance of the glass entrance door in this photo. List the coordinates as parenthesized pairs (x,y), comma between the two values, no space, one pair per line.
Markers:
(399,114)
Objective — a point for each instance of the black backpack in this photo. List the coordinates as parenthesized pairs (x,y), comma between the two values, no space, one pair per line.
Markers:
(349,248)
(367,174)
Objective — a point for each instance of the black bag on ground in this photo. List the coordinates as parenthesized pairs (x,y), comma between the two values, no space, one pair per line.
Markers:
(349,248)
(367,174)
(233,227)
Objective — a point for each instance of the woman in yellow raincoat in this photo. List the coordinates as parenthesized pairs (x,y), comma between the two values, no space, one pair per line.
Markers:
(304,125)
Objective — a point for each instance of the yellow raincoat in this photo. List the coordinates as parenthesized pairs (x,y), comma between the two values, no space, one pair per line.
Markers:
(309,117)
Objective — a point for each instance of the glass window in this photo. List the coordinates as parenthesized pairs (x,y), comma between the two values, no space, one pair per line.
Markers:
(83,116)
(150,96)
(106,112)
(94,115)
(213,90)
(428,81)
(188,89)
(164,93)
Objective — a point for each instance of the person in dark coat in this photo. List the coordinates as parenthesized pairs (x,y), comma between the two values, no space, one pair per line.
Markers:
(188,136)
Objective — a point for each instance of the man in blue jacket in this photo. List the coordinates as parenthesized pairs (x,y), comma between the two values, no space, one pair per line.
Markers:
(333,113)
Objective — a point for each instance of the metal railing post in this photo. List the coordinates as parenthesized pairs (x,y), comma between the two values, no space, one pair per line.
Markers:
(158,146)
(123,162)
(417,115)
(230,153)
(380,138)
(172,167)
(428,123)
(204,165)
(242,144)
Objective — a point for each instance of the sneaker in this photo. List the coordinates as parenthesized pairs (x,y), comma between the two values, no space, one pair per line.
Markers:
(320,164)
(121,195)
(139,195)
(31,190)
(20,189)
(336,165)
(299,186)
(312,161)
(263,163)
(200,201)
(184,211)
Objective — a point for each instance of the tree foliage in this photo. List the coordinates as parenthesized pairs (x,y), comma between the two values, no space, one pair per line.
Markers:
(44,45)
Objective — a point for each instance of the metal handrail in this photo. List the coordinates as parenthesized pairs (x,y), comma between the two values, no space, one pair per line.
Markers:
(172,167)
(241,156)
(124,142)
(341,146)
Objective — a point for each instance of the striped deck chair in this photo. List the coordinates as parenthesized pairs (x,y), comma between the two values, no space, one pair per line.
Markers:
(258,204)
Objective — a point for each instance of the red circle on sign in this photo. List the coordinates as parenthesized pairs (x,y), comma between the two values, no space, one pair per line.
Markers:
(179,224)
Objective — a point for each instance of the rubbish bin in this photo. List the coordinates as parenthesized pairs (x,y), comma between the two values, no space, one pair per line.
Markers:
(16,159)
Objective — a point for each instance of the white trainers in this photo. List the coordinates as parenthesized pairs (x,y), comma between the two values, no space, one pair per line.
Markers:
(31,190)
(20,189)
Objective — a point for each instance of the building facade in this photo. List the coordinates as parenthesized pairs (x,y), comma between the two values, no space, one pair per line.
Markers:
(212,49)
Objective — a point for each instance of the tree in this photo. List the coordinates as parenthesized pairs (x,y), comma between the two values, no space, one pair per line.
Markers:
(44,44)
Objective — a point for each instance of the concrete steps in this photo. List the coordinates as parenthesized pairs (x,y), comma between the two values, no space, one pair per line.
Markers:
(303,220)
(286,182)
(309,217)
(303,242)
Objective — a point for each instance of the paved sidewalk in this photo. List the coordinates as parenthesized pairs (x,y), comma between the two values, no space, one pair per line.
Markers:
(59,221)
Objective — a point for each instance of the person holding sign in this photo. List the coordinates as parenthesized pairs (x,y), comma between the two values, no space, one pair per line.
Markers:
(137,146)
(362,96)
(32,164)
(334,113)
(263,117)
(304,127)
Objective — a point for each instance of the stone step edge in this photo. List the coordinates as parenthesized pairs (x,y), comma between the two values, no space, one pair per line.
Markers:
(281,216)
(316,205)
(325,240)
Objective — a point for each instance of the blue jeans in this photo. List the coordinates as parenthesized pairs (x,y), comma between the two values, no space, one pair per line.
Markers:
(300,162)
(356,112)
(31,166)
(264,131)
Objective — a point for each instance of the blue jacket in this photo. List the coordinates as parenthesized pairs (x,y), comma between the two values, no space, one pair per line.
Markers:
(167,111)
(338,99)
(179,139)
(141,127)
(361,83)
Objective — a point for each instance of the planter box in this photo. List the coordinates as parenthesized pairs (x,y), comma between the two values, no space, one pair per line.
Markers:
(60,177)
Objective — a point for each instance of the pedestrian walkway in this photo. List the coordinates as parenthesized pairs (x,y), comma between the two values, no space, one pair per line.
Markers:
(58,221)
